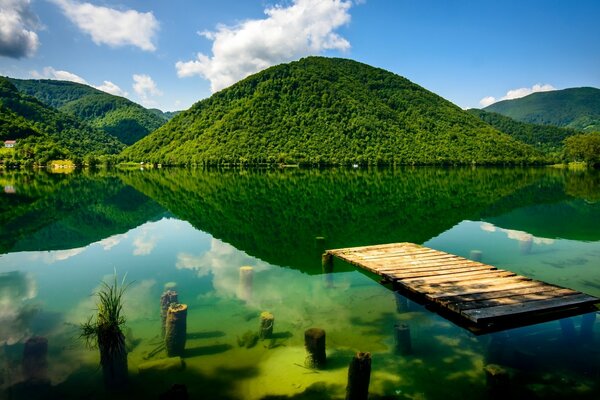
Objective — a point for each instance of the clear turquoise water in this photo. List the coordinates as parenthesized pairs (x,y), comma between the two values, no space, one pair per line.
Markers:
(62,235)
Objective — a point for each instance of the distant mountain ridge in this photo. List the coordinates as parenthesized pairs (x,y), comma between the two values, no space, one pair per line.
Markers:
(327,111)
(574,108)
(115,115)
(547,138)
(41,129)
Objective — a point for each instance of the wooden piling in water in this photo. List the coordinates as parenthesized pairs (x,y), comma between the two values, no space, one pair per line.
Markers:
(498,381)
(568,330)
(166,299)
(327,263)
(586,331)
(476,255)
(359,376)
(403,340)
(314,343)
(246,277)
(267,320)
(35,363)
(176,329)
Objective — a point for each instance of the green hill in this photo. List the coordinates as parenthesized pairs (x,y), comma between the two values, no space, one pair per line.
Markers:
(327,111)
(117,116)
(576,108)
(546,138)
(46,133)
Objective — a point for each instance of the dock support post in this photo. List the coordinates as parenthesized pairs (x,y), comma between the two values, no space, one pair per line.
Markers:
(314,342)
(359,376)
(267,320)
(320,244)
(327,263)
(495,348)
(168,297)
(586,331)
(476,255)
(402,304)
(176,330)
(568,330)
(403,341)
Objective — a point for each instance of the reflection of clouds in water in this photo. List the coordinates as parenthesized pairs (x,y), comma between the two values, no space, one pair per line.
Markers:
(223,261)
(144,243)
(15,289)
(138,302)
(112,241)
(299,294)
(516,235)
(50,257)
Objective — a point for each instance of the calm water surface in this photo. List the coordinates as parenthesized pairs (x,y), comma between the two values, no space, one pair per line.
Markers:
(61,235)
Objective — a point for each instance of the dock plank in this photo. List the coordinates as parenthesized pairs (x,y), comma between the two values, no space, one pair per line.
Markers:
(479,293)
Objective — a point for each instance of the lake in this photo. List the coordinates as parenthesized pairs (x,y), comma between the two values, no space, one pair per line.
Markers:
(192,230)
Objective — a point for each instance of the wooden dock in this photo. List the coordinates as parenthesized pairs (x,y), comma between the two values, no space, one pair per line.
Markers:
(482,296)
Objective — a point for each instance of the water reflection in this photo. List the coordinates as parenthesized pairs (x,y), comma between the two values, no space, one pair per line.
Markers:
(192,231)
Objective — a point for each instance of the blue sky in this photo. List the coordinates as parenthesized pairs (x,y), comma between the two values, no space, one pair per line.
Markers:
(170,54)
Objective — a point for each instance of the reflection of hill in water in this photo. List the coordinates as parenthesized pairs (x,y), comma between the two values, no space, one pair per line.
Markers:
(52,212)
(276,215)
(561,205)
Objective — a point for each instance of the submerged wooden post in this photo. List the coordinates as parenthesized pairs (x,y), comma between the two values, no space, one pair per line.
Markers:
(267,320)
(35,363)
(403,341)
(476,255)
(175,333)
(314,342)
(586,331)
(245,289)
(320,244)
(402,304)
(495,348)
(166,299)
(525,244)
(327,263)
(359,376)
(568,330)
(498,381)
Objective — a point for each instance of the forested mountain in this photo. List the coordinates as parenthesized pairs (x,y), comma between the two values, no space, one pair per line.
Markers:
(575,108)
(327,111)
(548,139)
(45,133)
(115,115)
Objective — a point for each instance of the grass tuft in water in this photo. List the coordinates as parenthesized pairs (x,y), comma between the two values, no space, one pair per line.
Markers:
(103,331)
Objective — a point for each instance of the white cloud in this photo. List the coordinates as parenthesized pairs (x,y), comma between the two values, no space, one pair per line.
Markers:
(111,88)
(110,242)
(51,73)
(145,87)
(486,101)
(17,24)
(287,33)
(112,27)
(517,93)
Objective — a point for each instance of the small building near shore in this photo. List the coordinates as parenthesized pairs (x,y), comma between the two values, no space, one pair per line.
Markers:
(9,143)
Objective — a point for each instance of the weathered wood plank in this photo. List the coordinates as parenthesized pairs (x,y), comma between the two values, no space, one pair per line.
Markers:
(524,288)
(511,300)
(443,290)
(428,264)
(513,283)
(458,278)
(489,313)
(416,273)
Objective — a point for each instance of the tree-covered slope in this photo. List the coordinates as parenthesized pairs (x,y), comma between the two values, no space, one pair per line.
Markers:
(548,139)
(38,127)
(575,108)
(115,115)
(326,110)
